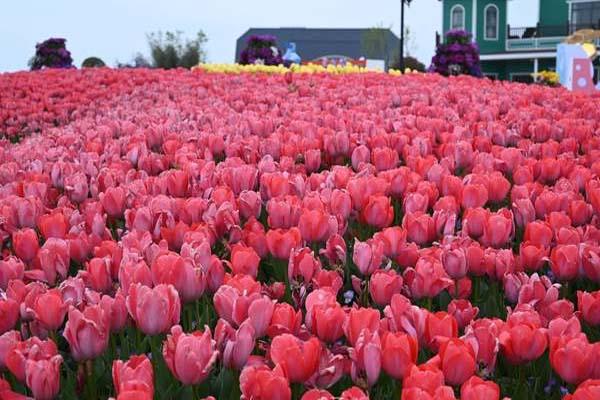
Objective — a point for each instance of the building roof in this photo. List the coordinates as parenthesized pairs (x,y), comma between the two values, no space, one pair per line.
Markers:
(312,43)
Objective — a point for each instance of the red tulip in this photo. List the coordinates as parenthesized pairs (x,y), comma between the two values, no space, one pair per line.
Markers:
(98,274)
(580,212)
(281,242)
(360,155)
(476,388)
(427,279)
(189,356)
(186,278)
(415,202)
(328,279)
(392,238)
(539,233)
(498,187)
(589,306)
(154,310)
(43,377)
(383,284)
(49,309)
(177,183)
(113,201)
(235,346)
(378,212)
(457,361)
(420,228)
(565,261)
(498,229)
(7,341)
(439,326)
(115,310)
(53,259)
(31,349)
(482,334)
(284,320)
(317,394)
(474,195)
(135,374)
(367,256)
(588,390)
(340,204)
(262,383)
(9,313)
(522,343)
(299,359)
(454,262)
(324,316)
(303,264)
(354,393)
(244,260)
(426,377)
(474,221)
(10,268)
(249,204)
(283,212)
(53,225)
(399,354)
(463,311)
(572,359)
(366,357)
(524,212)
(384,158)
(441,393)
(314,225)
(87,332)
(360,319)
(25,244)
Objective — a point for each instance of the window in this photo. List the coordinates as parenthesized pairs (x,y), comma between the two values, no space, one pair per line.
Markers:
(491,22)
(585,15)
(457,17)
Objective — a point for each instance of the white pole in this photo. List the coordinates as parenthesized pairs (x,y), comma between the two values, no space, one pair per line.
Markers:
(535,69)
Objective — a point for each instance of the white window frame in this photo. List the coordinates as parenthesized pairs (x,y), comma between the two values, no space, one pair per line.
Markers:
(464,16)
(485,33)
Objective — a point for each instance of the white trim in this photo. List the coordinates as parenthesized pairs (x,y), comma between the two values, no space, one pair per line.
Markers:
(474,20)
(570,13)
(485,36)
(516,56)
(534,41)
(464,15)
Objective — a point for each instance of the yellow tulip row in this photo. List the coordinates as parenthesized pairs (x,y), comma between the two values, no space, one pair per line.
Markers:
(280,69)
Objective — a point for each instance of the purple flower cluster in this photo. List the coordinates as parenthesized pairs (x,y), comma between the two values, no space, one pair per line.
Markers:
(458,54)
(52,53)
(261,49)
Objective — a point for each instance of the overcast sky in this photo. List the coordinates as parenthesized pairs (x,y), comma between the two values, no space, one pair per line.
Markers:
(116,29)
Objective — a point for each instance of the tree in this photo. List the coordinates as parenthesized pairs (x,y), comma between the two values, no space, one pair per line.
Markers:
(51,53)
(374,44)
(92,62)
(169,51)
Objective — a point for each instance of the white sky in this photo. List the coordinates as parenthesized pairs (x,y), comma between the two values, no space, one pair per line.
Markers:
(116,29)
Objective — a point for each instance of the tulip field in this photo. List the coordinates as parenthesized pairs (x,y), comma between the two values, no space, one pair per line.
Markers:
(283,235)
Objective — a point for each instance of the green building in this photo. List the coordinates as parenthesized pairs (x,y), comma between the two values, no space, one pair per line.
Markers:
(515,53)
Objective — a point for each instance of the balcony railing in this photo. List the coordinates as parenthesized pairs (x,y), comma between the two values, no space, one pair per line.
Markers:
(541,37)
(539,31)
